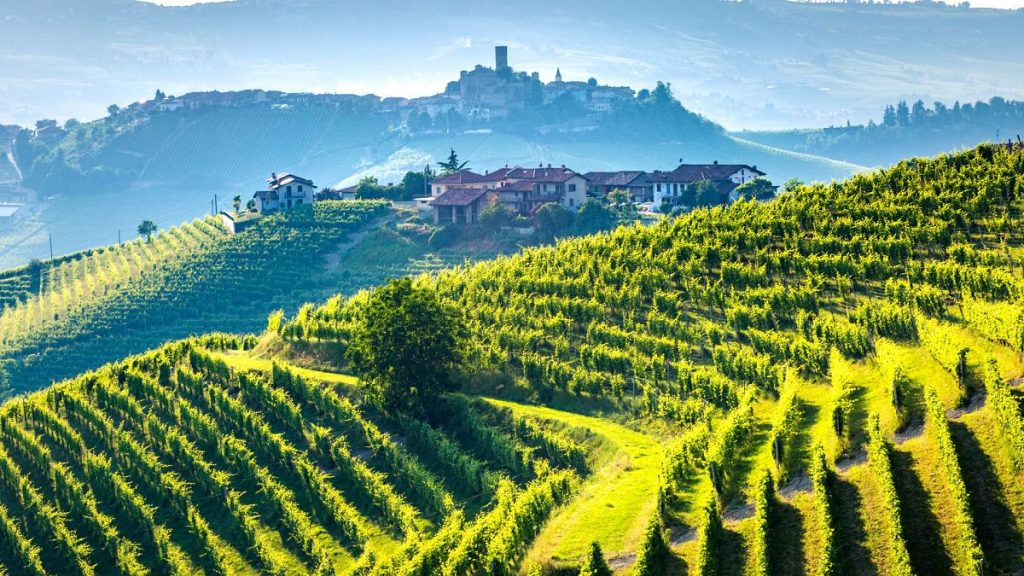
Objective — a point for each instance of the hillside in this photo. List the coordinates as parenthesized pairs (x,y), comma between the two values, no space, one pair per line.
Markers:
(827,383)
(174,163)
(906,130)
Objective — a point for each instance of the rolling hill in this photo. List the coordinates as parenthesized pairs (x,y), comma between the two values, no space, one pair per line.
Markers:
(176,166)
(827,383)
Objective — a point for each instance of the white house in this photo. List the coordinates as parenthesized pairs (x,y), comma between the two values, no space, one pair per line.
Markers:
(670,185)
(284,191)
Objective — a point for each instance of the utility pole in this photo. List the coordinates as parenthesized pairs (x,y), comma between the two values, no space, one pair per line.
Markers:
(216,208)
(50,235)
(119,236)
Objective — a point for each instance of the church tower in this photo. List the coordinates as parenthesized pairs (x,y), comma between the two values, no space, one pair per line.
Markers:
(558,74)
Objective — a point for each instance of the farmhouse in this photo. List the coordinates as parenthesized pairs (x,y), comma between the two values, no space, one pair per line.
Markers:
(671,186)
(461,205)
(533,187)
(284,191)
(632,181)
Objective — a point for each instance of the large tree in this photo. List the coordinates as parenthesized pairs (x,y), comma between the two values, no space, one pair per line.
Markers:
(147,228)
(406,344)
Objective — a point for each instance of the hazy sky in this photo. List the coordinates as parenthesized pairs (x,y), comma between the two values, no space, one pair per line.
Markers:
(978,3)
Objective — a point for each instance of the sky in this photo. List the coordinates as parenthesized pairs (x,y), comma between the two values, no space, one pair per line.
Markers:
(976,3)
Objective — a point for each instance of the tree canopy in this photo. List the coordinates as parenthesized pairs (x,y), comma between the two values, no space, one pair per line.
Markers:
(405,345)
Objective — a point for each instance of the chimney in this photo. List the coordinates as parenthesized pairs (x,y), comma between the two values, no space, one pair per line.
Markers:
(563,165)
(549,165)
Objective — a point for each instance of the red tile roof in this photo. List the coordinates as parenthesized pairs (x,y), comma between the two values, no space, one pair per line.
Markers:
(555,175)
(458,197)
(621,178)
(460,177)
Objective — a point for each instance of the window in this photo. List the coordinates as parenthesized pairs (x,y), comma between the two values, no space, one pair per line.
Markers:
(300,187)
(572,187)
(570,202)
(289,190)
(298,202)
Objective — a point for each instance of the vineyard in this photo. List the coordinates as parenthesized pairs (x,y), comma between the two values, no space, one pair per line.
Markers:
(75,313)
(829,383)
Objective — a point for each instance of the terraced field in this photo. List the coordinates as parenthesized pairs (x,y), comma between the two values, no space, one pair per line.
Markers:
(829,383)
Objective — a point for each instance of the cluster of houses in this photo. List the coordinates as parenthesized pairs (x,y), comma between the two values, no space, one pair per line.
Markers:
(460,197)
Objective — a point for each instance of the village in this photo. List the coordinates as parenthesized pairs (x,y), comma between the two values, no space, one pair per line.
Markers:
(461,196)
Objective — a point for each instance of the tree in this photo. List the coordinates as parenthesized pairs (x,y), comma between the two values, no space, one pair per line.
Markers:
(594,564)
(594,217)
(159,96)
(405,345)
(452,163)
(889,117)
(113,110)
(902,113)
(147,228)
(553,219)
(706,193)
(237,203)
(496,216)
(792,184)
(756,189)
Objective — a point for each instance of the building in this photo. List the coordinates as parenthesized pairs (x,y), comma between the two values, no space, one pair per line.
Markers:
(284,191)
(469,179)
(527,189)
(668,187)
(461,205)
(633,182)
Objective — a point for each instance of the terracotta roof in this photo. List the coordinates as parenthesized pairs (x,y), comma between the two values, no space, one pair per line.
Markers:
(621,178)
(460,177)
(458,197)
(496,176)
(266,195)
(556,175)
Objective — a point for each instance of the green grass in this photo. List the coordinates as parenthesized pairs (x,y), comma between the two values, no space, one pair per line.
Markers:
(615,502)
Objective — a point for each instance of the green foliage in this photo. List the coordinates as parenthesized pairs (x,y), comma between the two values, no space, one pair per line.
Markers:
(821,486)
(594,564)
(1007,414)
(147,228)
(756,189)
(653,554)
(879,459)
(553,220)
(406,345)
(966,553)
(709,538)
(764,501)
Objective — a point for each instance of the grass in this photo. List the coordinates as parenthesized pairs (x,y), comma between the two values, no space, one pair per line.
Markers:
(243,361)
(615,502)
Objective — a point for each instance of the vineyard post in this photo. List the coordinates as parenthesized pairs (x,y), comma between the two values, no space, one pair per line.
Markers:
(50,237)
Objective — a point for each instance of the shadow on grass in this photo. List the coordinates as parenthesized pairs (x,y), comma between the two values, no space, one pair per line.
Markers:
(921,527)
(994,523)
(787,541)
(732,554)
(853,557)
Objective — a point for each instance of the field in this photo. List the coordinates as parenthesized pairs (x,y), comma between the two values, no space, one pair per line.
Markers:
(825,384)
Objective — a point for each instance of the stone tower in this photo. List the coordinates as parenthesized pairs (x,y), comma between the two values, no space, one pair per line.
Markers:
(500,58)
(558,74)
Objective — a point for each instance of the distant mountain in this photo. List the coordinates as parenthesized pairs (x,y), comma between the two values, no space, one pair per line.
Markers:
(757,64)
(906,130)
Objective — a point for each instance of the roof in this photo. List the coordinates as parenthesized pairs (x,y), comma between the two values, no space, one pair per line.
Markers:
(556,175)
(459,177)
(458,197)
(497,176)
(8,210)
(621,178)
(279,179)
(697,172)
(517,186)
(266,195)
